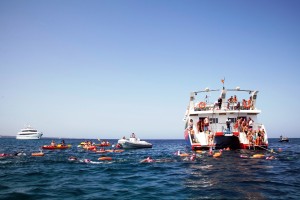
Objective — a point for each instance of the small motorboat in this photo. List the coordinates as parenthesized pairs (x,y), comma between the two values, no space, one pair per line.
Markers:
(59,146)
(283,139)
(133,143)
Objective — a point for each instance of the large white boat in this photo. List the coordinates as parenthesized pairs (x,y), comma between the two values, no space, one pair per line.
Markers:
(224,123)
(133,143)
(29,133)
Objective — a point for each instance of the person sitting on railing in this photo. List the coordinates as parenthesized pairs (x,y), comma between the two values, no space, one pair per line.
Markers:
(245,104)
(230,100)
(238,106)
(249,104)
(234,100)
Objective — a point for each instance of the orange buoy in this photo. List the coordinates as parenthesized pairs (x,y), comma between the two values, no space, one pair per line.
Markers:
(38,154)
(105,158)
(258,156)
(217,154)
(199,151)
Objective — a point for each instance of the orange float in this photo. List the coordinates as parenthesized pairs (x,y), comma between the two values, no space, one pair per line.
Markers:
(258,156)
(38,154)
(105,158)
(217,154)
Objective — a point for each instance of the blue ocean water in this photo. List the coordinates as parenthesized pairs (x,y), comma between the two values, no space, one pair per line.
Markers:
(125,177)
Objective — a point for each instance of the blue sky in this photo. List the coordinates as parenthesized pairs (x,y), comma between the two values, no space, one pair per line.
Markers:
(104,69)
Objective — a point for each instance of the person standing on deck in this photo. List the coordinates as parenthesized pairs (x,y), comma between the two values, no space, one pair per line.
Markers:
(206,124)
(220,103)
(132,135)
(191,124)
(228,125)
(200,125)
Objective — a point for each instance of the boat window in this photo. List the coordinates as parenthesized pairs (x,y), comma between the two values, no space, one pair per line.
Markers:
(29,130)
(213,120)
(254,96)
(233,120)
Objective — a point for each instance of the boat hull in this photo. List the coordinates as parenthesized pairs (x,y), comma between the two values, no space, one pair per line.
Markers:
(132,145)
(284,140)
(222,141)
(29,137)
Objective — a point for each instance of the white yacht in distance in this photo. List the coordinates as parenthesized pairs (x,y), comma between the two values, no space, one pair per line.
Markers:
(29,133)
(223,123)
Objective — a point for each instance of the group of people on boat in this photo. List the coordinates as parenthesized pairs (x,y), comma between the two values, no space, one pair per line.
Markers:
(105,143)
(202,126)
(255,137)
(232,104)
(88,145)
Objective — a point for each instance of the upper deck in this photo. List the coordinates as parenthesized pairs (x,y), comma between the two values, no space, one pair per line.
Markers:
(238,102)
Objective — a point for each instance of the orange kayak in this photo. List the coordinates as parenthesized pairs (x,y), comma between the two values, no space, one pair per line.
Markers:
(56,147)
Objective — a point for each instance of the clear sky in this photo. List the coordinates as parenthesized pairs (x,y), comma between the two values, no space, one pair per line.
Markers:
(104,69)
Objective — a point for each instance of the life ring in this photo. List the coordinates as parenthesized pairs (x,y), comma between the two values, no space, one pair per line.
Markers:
(202,105)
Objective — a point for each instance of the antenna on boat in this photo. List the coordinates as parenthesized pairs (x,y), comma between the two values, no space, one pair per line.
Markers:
(223,80)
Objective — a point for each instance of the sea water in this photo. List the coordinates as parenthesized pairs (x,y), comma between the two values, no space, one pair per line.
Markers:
(230,176)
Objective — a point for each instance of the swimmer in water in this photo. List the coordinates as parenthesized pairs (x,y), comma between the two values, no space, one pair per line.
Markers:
(147,160)
(72,158)
(193,157)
